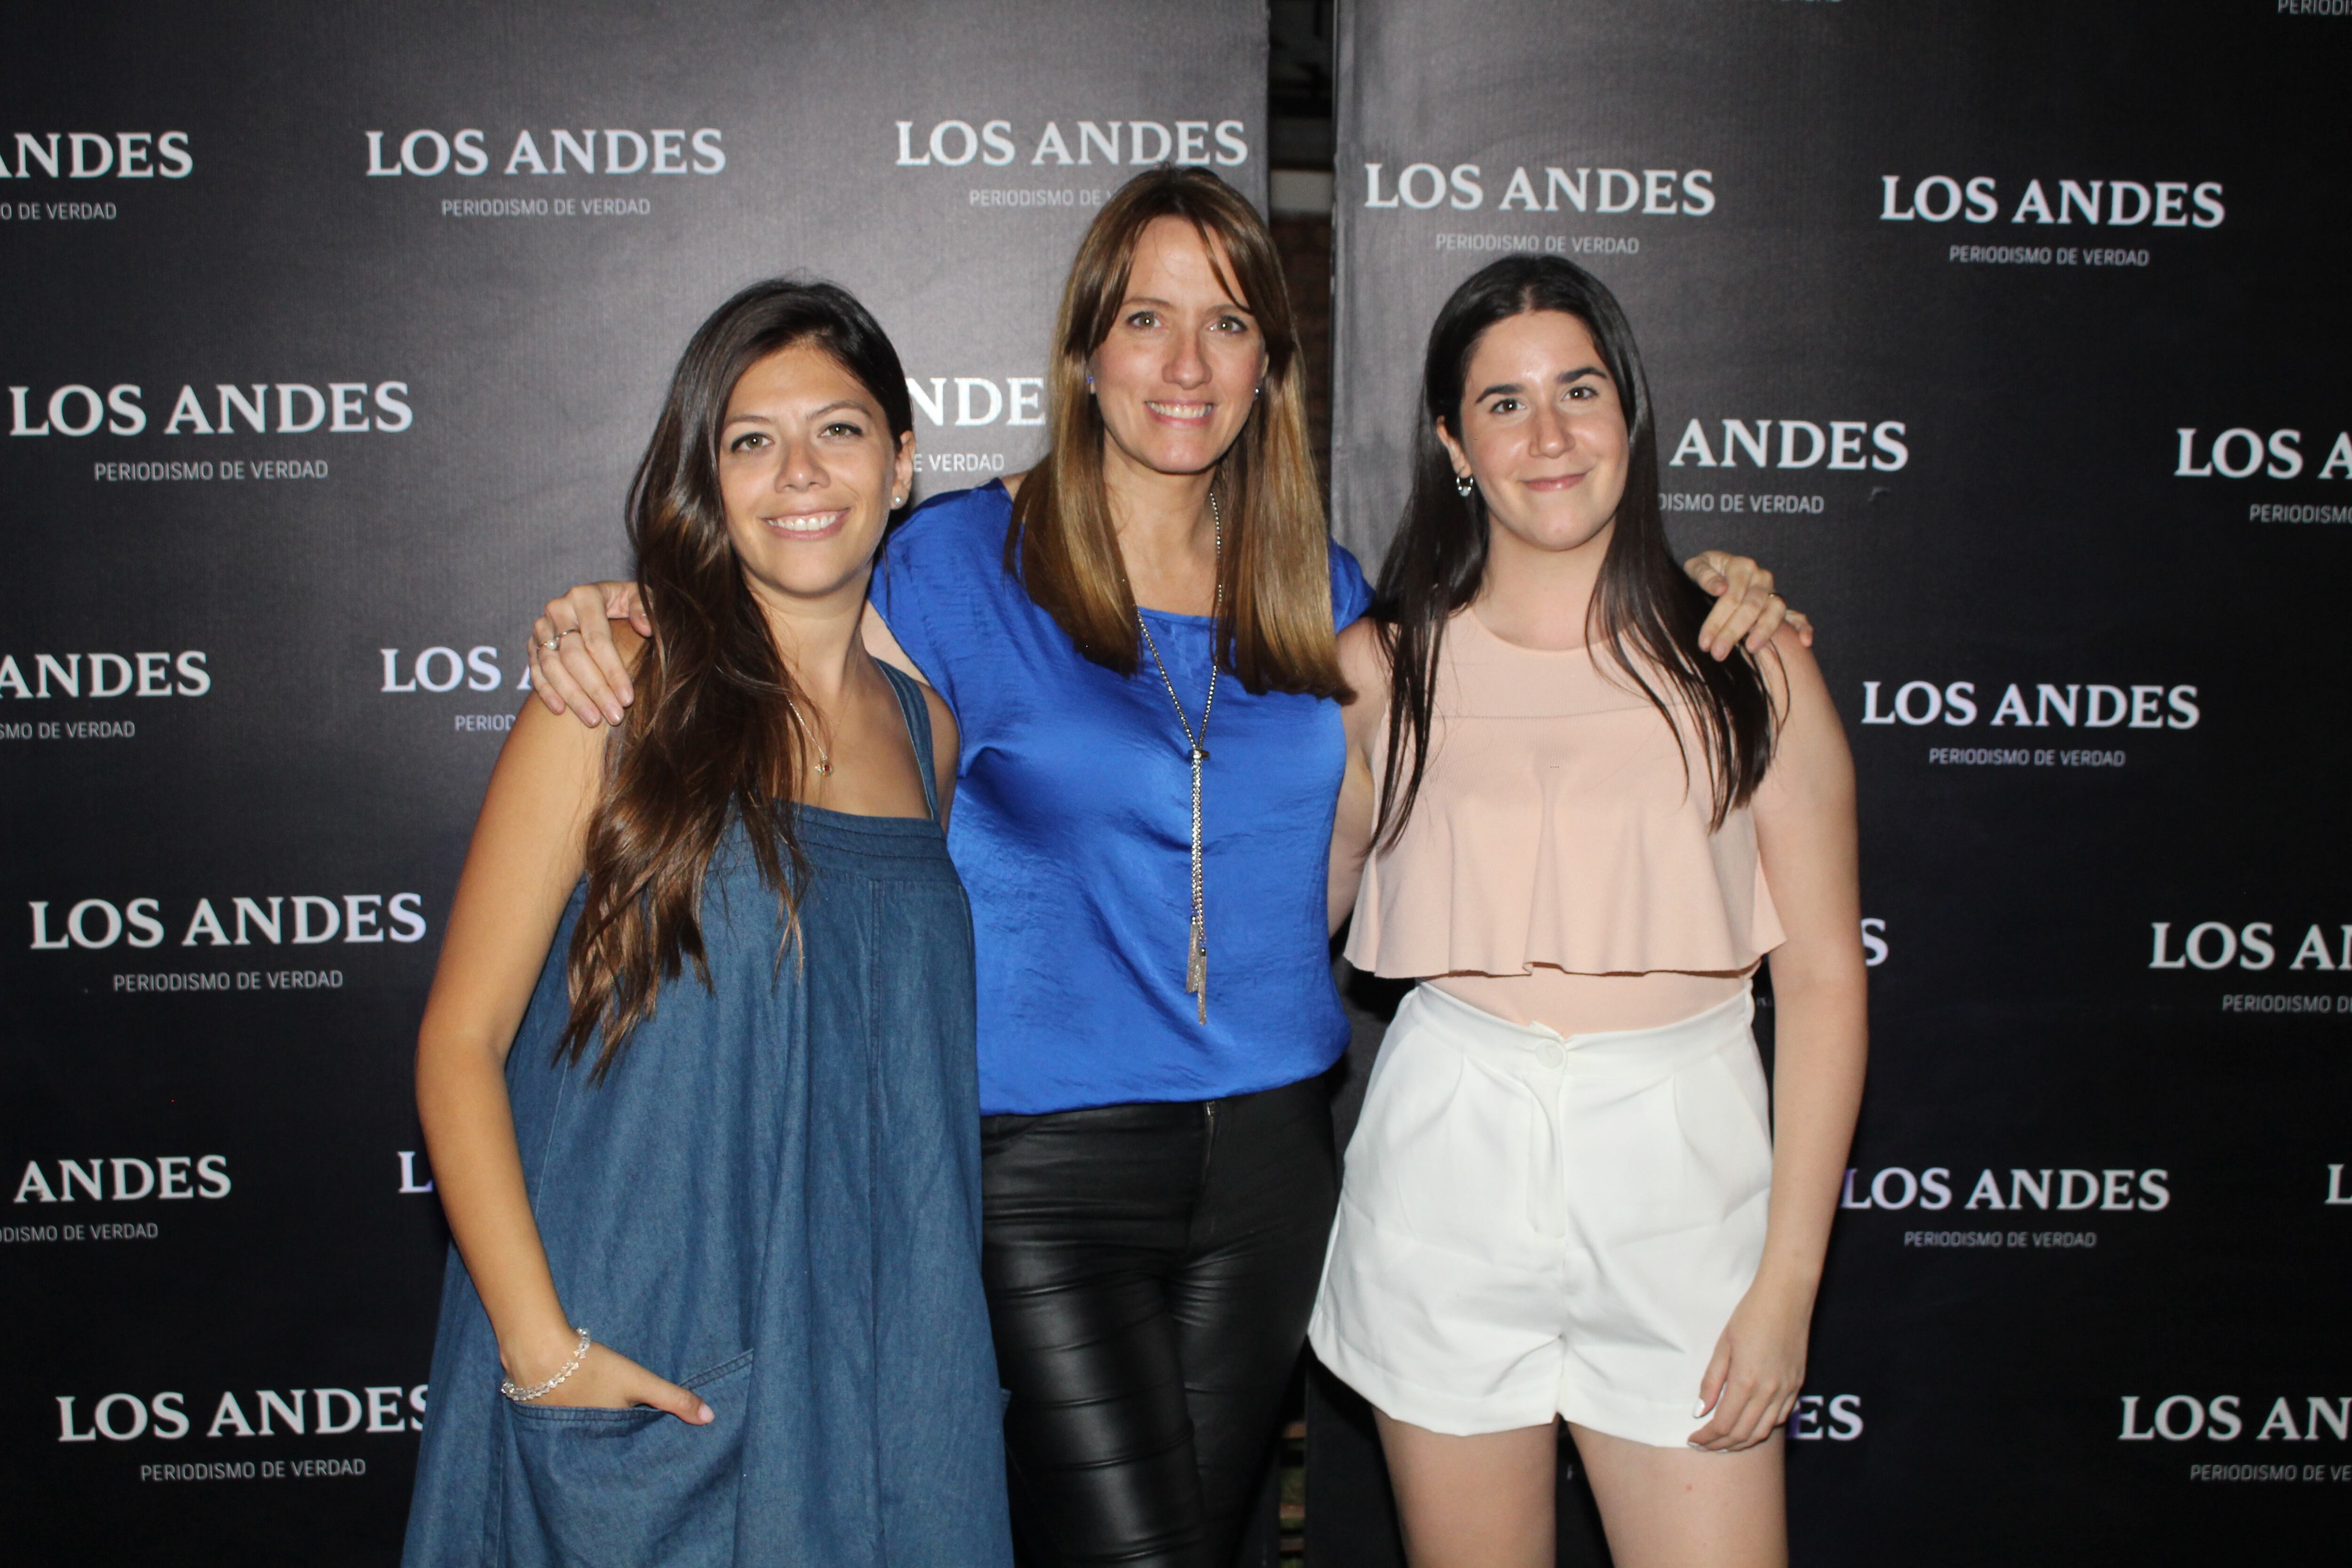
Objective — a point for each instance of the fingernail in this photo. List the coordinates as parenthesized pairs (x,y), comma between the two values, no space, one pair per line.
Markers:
(707,1414)
(1698,1409)
(613,713)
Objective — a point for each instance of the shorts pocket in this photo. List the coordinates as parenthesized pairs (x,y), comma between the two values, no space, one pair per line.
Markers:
(1720,1107)
(597,1488)
(1440,1151)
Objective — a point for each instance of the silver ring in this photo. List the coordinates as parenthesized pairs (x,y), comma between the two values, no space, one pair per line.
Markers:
(552,644)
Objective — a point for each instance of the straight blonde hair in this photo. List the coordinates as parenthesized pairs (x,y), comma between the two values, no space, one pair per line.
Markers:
(1274,630)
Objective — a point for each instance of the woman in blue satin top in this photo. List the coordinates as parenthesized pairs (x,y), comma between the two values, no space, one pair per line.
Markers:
(1072,836)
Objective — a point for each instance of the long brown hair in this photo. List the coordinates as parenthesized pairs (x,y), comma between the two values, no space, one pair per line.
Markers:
(1645,614)
(717,732)
(1275,631)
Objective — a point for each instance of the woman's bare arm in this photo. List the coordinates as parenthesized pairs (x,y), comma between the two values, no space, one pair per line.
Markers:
(1366,670)
(525,857)
(1805,833)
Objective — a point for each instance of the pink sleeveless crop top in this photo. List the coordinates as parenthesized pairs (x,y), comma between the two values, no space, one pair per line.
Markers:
(1555,827)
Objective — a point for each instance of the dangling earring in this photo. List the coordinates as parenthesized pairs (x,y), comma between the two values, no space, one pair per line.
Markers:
(1090,383)
(1463,485)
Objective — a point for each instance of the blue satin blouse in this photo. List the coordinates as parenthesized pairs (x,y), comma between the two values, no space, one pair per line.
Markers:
(1072,830)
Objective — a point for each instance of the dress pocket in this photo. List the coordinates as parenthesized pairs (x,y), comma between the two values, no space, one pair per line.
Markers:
(603,1489)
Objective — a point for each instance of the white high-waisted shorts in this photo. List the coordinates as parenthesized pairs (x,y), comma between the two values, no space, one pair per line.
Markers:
(1536,1224)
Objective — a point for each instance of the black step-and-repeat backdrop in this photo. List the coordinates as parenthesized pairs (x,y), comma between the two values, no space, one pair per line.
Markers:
(2012,335)
(329,337)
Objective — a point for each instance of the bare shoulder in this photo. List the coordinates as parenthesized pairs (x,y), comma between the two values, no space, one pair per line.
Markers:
(1811,759)
(1790,670)
(549,776)
(545,750)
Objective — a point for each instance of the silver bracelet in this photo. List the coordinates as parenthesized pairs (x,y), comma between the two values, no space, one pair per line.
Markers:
(522,1395)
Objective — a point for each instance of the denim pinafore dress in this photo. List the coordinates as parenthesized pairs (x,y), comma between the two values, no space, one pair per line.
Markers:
(773,1199)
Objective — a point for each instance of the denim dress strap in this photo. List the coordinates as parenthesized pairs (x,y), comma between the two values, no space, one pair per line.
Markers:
(917,714)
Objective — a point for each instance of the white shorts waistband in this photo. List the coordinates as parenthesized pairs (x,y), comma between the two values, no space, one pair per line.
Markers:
(1615,1055)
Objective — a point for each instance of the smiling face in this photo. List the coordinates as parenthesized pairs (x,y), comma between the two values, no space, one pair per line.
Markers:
(1175,378)
(1543,431)
(809,474)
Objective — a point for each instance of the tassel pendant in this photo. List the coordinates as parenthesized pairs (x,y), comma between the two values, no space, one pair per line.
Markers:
(1196,968)
(1196,955)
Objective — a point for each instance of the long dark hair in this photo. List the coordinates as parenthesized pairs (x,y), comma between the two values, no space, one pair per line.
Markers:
(1644,611)
(718,730)
(1274,632)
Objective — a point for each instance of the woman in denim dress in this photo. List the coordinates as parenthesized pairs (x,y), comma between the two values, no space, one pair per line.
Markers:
(697,1073)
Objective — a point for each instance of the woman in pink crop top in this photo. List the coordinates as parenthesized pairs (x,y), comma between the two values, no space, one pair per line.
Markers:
(1570,1196)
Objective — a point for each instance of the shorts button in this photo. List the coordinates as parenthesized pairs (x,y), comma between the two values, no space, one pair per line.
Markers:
(1550,1055)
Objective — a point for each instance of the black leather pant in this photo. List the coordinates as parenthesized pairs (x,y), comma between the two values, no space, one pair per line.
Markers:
(1150,1270)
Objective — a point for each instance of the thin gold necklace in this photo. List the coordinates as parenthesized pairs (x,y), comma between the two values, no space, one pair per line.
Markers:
(1196,962)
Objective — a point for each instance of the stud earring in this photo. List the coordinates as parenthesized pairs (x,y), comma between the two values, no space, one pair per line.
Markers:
(1090,383)
(1463,485)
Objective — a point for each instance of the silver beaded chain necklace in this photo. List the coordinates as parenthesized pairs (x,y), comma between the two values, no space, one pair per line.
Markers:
(1196,962)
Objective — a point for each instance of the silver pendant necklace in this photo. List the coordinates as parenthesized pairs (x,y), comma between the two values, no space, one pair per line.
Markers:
(1196,962)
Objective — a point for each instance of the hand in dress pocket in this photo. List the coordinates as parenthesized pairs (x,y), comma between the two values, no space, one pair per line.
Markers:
(607,1380)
